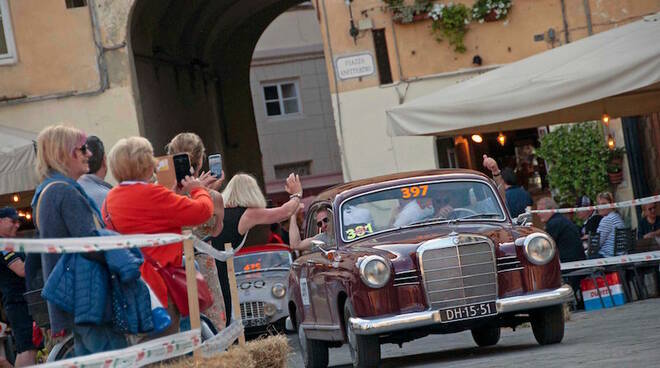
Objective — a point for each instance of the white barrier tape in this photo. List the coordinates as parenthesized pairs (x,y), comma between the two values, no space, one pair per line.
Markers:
(206,248)
(221,341)
(611,261)
(138,355)
(624,204)
(88,244)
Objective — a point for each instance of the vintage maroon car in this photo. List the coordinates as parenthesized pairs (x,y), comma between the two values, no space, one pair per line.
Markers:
(413,254)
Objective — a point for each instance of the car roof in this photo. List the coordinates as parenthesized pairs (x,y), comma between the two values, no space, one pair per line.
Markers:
(262,248)
(372,183)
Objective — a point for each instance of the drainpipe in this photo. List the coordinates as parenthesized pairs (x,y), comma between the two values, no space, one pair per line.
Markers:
(563,16)
(587,14)
(100,64)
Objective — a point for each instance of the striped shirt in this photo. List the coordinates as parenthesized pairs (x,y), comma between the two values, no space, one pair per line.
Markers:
(606,230)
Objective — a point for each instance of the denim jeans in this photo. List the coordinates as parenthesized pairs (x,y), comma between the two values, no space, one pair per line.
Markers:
(89,339)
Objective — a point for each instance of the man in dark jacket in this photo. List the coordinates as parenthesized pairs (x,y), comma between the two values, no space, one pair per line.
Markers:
(12,287)
(565,233)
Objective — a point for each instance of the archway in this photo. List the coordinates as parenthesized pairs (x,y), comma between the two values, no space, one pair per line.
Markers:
(191,62)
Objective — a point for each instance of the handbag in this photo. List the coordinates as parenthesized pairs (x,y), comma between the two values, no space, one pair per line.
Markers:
(175,280)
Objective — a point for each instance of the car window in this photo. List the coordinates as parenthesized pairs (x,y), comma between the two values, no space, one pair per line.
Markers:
(409,205)
(320,225)
(262,261)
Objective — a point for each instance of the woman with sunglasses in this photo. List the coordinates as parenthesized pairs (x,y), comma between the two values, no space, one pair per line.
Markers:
(245,208)
(62,209)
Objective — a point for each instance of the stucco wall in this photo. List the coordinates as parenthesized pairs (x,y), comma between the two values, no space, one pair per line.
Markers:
(55,50)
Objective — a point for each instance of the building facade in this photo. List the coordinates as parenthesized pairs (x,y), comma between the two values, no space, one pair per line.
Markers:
(292,105)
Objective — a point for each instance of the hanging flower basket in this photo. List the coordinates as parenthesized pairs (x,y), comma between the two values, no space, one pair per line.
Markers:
(491,16)
(415,18)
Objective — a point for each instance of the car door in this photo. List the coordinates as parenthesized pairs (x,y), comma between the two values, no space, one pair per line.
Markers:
(318,268)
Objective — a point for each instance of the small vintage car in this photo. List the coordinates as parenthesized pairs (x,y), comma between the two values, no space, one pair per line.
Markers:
(412,254)
(261,277)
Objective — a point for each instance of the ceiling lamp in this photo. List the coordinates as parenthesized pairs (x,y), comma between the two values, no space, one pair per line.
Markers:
(476,138)
(501,138)
(606,118)
(611,143)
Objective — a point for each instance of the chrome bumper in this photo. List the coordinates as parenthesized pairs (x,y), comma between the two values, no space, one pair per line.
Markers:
(378,325)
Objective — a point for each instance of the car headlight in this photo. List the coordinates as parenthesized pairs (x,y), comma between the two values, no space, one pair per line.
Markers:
(269,309)
(539,248)
(375,271)
(278,291)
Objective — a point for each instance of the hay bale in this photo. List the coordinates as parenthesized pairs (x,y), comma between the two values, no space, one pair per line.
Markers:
(268,352)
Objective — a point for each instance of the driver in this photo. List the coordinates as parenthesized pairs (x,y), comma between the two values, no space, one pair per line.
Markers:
(323,223)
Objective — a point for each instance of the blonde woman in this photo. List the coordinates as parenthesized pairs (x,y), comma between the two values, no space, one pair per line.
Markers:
(63,210)
(245,208)
(607,227)
(192,144)
(137,206)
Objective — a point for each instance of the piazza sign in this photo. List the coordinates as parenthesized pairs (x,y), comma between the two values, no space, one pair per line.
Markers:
(355,66)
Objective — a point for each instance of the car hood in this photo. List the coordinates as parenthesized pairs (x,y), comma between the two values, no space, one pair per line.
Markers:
(403,243)
(269,278)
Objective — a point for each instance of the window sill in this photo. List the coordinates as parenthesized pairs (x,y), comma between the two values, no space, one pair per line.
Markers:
(8,61)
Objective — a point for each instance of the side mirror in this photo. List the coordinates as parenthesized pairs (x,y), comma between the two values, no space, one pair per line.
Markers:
(318,245)
(523,219)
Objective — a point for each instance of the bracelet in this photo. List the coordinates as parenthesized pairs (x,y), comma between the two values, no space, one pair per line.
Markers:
(498,173)
(295,195)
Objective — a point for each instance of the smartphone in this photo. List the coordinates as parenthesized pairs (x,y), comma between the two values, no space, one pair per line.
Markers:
(215,165)
(181,167)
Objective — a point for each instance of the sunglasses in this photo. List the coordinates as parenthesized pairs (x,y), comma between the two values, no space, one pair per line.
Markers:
(325,220)
(83,149)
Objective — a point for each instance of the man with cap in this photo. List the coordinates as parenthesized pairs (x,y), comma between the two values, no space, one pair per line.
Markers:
(12,287)
(93,182)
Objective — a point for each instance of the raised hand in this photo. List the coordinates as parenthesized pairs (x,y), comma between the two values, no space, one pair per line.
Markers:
(293,185)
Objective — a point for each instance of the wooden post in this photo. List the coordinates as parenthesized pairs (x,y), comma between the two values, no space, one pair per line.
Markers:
(235,304)
(191,283)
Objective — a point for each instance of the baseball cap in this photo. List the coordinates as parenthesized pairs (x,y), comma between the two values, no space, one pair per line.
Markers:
(9,212)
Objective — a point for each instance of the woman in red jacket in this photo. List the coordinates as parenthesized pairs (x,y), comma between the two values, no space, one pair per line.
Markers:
(137,206)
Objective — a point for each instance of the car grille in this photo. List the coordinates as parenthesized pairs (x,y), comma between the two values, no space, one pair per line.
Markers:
(252,310)
(459,274)
(508,263)
(403,278)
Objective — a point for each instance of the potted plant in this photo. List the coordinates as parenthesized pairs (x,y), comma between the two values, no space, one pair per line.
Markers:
(451,21)
(615,165)
(490,10)
(406,14)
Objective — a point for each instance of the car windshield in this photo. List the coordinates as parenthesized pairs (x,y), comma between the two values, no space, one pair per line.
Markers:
(416,204)
(261,261)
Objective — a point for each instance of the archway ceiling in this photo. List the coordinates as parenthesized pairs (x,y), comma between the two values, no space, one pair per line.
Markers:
(220,34)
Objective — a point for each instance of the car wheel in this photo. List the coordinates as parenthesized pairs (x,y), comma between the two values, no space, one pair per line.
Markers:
(365,349)
(486,335)
(314,352)
(548,324)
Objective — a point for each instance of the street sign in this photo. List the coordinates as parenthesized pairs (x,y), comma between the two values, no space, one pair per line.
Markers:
(355,66)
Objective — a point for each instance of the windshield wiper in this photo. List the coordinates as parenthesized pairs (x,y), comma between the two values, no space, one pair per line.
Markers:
(432,219)
(477,215)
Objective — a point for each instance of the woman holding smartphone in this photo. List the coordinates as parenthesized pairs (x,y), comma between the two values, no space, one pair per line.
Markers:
(192,144)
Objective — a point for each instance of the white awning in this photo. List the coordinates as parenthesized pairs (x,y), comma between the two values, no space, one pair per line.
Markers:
(17,160)
(615,72)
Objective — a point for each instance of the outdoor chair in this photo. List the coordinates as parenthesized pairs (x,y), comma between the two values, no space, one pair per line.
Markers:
(624,243)
(593,246)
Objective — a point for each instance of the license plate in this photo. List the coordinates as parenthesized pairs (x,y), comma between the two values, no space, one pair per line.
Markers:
(256,322)
(467,312)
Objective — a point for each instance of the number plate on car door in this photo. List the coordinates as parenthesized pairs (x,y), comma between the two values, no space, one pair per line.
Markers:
(467,312)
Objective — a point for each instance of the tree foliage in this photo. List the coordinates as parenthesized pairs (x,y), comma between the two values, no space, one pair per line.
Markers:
(577,159)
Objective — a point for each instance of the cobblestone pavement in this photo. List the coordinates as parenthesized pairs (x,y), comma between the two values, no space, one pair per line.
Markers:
(626,336)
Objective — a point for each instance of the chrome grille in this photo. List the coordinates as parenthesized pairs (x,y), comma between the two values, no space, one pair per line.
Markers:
(403,278)
(458,273)
(252,310)
(508,263)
